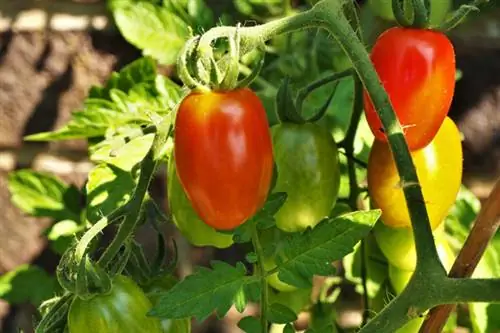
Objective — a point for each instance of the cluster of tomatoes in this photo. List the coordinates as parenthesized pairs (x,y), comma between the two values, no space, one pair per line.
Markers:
(417,69)
(221,171)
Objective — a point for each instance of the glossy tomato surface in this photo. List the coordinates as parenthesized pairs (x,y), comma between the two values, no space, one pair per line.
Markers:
(439,170)
(417,69)
(123,309)
(306,158)
(153,291)
(223,155)
(187,220)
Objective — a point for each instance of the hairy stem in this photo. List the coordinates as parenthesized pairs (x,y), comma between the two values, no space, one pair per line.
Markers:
(134,207)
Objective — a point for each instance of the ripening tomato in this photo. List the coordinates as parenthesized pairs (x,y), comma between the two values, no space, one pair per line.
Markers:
(306,158)
(186,219)
(417,69)
(123,309)
(223,155)
(439,170)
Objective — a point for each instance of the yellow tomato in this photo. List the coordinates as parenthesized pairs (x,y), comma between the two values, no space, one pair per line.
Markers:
(439,169)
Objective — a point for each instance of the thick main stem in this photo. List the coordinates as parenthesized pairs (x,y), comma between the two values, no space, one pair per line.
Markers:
(263,283)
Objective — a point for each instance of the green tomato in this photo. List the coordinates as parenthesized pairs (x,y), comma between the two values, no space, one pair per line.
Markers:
(123,309)
(439,9)
(297,300)
(185,218)
(306,157)
(273,279)
(398,246)
(399,277)
(413,326)
(153,290)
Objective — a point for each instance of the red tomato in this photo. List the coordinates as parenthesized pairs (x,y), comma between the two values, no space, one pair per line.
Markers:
(417,68)
(223,154)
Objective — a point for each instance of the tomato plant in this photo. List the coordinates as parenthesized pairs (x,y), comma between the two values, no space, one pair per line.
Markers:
(417,68)
(439,169)
(306,158)
(312,245)
(123,309)
(439,9)
(186,219)
(223,155)
(153,289)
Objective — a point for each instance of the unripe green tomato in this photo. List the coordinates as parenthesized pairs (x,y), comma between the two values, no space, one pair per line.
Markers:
(186,219)
(123,309)
(439,9)
(398,246)
(306,158)
(273,280)
(297,300)
(399,277)
(153,290)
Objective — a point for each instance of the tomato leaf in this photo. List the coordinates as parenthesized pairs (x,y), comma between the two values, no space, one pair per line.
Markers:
(27,283)
(280,314)
(330,240)
(205,291)
(263,219)
(43,195)
(250,324)
(140,71)
(111,184)
(133,97)
(154,29)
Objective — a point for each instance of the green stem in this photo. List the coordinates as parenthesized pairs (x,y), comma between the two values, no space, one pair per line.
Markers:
(263,283)
(304,92)
(340,29)
(134,207)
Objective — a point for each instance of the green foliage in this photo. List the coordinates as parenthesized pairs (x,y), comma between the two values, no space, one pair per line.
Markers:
(330,240)
(27,284)
(205,291)
(160,29)
(43,195)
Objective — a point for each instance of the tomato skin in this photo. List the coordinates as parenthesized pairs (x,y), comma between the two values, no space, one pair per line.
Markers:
(439,9)
(417,69)
(223,155)
(398,246)
(306,157)
(163,284)
(439,170)
(185,218)
(123,309)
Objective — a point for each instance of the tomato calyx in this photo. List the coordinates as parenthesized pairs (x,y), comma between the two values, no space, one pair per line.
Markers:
(200,71)
(421,13)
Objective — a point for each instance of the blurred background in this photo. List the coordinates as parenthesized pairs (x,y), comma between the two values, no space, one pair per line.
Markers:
(53,51)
